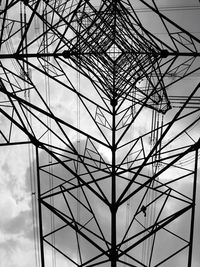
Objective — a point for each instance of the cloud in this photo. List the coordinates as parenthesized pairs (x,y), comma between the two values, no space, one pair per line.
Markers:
(16,226)
(20,224)
(12,170)
(16,252)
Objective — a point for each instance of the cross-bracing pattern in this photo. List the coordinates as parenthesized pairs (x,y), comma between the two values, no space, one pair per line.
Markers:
(112,158)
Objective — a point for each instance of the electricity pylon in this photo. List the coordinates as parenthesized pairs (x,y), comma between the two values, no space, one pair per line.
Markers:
(101,97)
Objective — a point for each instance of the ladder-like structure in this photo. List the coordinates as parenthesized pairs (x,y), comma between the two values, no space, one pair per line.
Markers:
(115,144)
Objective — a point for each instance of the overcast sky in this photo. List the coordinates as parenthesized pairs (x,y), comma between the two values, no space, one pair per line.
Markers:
(17,247)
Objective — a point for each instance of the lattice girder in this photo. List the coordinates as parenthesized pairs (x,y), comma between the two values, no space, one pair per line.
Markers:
(124,154)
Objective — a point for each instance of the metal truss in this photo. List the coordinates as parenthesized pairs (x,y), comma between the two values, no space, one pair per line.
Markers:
(111,165)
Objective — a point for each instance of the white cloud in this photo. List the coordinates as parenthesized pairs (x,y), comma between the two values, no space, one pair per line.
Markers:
(16,247)
(17,251)
(8,206)
(106,153)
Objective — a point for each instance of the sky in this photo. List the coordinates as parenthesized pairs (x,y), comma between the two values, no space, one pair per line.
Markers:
(17,247)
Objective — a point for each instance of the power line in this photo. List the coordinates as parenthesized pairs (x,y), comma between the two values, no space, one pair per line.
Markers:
(169,8)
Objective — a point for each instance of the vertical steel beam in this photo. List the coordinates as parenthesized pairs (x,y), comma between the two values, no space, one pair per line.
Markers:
(193,210)
(40,210)
(113,190)
(114,149)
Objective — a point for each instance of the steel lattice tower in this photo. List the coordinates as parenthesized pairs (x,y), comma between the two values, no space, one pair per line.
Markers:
(110,168)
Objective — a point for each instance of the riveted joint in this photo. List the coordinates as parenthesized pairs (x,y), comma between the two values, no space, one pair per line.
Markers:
(113,102)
